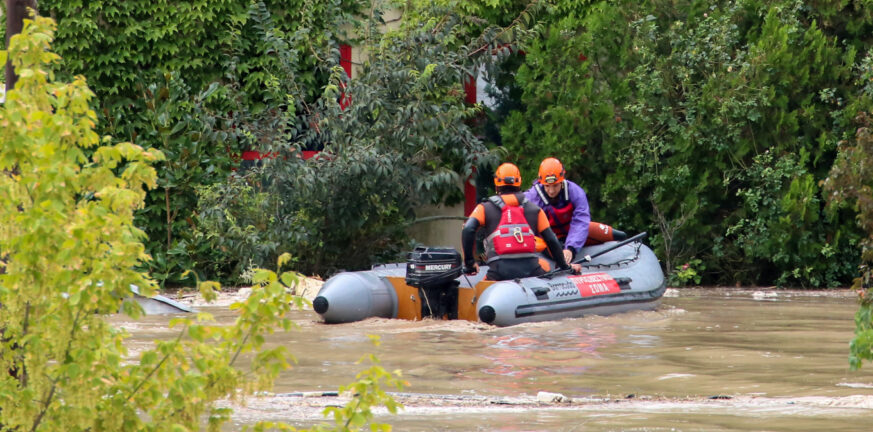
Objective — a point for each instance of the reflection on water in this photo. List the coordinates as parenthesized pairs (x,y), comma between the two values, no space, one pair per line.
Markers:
(704,360)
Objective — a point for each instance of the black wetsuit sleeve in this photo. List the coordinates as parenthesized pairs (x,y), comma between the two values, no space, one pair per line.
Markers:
(468,239)
(555,248)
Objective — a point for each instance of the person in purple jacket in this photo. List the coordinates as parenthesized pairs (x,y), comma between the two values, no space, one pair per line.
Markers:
(565,204)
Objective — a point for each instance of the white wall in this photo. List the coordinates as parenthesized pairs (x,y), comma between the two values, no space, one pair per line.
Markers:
(440,232)
(433,233)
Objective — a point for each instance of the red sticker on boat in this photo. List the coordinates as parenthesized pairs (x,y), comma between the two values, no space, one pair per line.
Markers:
(595,284)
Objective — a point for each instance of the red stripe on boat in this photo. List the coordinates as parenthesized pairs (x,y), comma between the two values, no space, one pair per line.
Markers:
(595,284)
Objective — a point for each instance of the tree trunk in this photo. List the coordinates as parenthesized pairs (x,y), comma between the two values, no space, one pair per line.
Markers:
(16,12)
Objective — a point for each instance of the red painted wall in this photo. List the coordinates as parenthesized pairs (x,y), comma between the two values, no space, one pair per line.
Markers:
(345,100)
(469,187)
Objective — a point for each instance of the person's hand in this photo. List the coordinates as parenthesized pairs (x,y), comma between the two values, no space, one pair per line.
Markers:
(471,269)
(577,268)
(568,255)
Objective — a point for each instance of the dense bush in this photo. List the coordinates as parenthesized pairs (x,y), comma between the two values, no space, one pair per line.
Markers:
(402,142)
(69,250)
(69,247)
(201,82)
(849,187)
(709,125)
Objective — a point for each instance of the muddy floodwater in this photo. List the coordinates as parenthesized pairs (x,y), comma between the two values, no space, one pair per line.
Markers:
(705,360)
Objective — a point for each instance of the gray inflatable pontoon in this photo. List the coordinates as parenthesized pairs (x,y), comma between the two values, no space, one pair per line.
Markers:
(619,277)
(158,304)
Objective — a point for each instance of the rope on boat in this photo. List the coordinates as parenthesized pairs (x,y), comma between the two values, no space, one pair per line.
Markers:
(620,263)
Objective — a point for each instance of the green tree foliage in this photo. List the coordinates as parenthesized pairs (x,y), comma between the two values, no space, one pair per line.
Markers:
(69,249)
(851,181)
(850,187)
(154,67)
(403,141)
(116,43)
(367,392)
(262,75)
(708,124)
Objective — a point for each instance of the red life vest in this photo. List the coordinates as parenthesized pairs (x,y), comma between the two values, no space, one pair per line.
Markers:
(559,218)
(513,237)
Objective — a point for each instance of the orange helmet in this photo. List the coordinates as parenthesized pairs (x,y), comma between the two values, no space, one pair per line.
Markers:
(507,175)
(551,171)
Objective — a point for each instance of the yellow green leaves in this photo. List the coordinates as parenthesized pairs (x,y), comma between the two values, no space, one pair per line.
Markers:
(367,392)
(209,290)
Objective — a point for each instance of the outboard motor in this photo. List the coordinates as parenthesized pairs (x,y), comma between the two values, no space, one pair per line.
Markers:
(434,271)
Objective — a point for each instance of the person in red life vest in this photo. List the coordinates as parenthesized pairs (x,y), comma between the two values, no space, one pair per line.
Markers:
(565,205)
(513,223)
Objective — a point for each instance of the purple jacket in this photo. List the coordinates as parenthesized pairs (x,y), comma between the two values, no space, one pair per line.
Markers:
(577,232)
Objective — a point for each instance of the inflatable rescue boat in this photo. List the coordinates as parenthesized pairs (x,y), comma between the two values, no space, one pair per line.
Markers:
(618,275)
